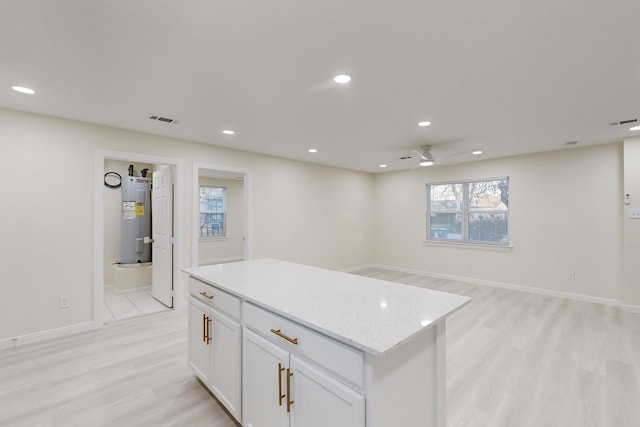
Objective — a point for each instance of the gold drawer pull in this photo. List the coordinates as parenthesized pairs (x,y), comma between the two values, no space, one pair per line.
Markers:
(206,295)
(281,335)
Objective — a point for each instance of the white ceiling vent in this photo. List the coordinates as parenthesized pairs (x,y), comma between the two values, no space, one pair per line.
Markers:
(163,119)
(624,122)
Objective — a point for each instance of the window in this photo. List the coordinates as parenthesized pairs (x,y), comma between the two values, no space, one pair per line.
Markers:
(469,211)
(213,211)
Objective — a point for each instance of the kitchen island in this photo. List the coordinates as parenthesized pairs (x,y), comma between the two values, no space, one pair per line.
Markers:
(282,344)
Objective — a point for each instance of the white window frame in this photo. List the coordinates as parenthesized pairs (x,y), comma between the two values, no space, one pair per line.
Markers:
(223,213)
(464,212)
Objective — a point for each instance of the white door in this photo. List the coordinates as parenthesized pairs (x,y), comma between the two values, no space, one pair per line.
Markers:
(162,232)
(321,401)
(264,379)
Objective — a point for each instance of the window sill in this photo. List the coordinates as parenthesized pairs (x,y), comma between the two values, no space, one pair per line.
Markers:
(467,245)
(213,239)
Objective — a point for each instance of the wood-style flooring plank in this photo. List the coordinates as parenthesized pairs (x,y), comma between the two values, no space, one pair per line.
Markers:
(513,360)
(129,373)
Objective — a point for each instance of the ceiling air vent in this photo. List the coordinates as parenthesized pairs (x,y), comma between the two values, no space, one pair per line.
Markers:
(624,122)
(163,119)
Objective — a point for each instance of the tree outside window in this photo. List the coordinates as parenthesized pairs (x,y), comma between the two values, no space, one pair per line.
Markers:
(469,211)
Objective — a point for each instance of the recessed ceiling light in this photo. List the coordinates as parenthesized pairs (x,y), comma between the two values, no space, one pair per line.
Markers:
(426,163)
(635,128)
(342,79)
(228,132)
(23,89)
(424,124)
(313,150)
(477,152)
(382,165)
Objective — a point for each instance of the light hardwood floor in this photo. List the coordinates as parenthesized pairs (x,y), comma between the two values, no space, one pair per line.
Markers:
(513,359)
(130,373)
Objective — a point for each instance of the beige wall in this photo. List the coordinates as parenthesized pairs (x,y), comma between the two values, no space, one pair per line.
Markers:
(230,246)
(301,212)
(565,215)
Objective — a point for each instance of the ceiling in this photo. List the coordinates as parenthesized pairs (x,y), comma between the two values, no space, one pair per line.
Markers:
(502,76)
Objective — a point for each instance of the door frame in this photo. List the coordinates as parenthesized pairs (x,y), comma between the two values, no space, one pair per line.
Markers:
(98,223)
(246,188)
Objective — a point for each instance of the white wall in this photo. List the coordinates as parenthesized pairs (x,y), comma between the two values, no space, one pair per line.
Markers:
(565,215)
(230,246)
(304,213)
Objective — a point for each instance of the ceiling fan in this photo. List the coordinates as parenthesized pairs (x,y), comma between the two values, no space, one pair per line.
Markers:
(425,158)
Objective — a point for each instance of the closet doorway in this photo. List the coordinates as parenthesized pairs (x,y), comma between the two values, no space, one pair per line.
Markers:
(127,301)
(221,214)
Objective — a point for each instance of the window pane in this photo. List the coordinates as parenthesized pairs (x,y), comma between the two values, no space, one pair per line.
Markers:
(445,226)
(212,225)
(488,227)
(446,197)
(489,195)
(212,211)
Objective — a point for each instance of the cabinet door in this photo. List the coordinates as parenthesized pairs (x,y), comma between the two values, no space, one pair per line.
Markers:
(264,379)
(321,401)
(224,374)
(199,348)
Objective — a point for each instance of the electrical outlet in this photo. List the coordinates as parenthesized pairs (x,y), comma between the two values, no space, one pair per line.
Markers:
(633,213)
(64,302)
(571,276)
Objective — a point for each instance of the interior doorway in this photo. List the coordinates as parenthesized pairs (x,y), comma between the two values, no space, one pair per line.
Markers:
(103,249)
(210,246)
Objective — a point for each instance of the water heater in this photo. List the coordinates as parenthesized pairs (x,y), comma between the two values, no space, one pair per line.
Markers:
(136,220)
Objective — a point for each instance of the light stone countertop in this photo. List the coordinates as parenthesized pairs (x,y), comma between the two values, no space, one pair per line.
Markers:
(369,314)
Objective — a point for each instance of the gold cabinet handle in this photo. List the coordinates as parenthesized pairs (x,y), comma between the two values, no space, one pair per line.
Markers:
(280,395)
(208,329)
(279,333)
(289,400)
(204,328)
(206,295)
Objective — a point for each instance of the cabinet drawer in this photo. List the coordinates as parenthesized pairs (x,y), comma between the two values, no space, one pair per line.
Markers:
(345,361)
(214,297)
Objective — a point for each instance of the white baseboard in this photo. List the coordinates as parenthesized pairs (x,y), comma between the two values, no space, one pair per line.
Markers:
(111,289)
(45,335)
(631,308)
(520,288)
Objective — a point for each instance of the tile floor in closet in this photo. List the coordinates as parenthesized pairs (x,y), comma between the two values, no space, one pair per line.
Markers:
(120,305)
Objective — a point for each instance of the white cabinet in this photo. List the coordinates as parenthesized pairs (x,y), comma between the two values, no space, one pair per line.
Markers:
(215,344)
(199,344)
(285,345)
(282,389)
(264,382)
